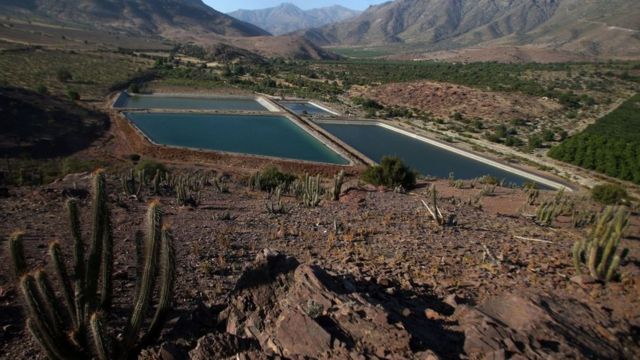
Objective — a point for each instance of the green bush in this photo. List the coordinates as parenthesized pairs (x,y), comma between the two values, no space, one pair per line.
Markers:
(391,172)
(609,194)
(270,178)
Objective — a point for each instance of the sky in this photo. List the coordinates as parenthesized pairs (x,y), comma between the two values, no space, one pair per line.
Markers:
(231,5)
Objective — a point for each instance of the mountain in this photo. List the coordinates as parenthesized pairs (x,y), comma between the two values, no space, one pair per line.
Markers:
(287,17)
(181,21)
(167,18)
(596,27)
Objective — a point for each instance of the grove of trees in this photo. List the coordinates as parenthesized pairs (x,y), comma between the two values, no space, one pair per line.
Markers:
(610,146)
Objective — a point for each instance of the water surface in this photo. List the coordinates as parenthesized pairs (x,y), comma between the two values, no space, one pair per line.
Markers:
(184,102)
(267,135)
(303,107)
(375,142)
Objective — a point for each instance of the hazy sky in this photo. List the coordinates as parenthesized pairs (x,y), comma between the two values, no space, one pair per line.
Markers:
(231,5)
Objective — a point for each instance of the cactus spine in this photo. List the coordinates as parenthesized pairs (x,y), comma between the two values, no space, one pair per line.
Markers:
(338,181)
(47,315)
(599,251)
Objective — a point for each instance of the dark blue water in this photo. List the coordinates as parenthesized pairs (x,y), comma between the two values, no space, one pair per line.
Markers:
(376,142)
(302,108)
(179,102)
(248,134)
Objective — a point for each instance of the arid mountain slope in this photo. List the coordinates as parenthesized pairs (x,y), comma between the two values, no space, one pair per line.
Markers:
(181,21)
(585,26)
(287,17)
(158,17)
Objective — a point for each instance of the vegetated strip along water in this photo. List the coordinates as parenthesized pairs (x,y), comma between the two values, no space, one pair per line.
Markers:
(185,102)
(266,135)
(375,142)
(300,108)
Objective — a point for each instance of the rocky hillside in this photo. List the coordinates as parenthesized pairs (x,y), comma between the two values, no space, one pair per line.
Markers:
(594,26)
(37,125)
(158,17)
(287,17)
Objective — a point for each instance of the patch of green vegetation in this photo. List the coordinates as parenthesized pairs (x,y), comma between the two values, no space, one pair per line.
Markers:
(270,178)
(90,74)
(610,146)
(609,194)
(361,52)
(391,172)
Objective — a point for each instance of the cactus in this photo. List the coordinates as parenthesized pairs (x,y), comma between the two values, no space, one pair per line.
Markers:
(599,251)
(73,328)
(155,182)
(311,196)
(16,251)
(582,218)
(187,188)
(548,212)
(276,206)
(132,184)
(532,195)
(338,181)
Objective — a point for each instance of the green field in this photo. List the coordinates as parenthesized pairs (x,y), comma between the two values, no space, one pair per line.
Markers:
(362,53)
(610,146)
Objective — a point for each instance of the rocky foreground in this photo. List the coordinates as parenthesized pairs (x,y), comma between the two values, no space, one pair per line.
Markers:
(369,276)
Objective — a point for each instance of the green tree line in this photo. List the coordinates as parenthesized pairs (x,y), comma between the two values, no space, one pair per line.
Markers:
(610,146)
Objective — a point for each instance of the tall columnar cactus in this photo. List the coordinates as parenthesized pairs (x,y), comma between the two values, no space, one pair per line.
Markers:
(599,251)
(132,183)
(312,191)
(155,182)
(74,328)
(532,195)
(338,181)
(547,213)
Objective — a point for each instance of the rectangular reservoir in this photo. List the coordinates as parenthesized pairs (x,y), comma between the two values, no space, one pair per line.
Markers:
(126,101)
(376,141)
(305,108)
(264,135)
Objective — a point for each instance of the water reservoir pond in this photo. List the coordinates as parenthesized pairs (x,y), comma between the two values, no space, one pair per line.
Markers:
(375,142)
(267,135)
(184,102)
(303,108)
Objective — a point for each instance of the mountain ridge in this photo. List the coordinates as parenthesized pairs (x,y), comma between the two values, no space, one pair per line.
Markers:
(158,17)
(592,27)
(287,17)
